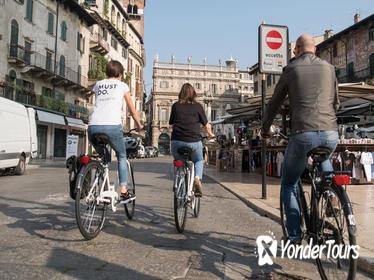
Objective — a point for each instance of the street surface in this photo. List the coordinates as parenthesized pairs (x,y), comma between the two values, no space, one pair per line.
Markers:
(40,239)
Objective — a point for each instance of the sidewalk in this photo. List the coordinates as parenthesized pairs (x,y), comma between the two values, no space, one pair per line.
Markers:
(248,187)
(53,162)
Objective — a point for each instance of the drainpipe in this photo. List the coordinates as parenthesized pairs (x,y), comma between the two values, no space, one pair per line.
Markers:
(56,38)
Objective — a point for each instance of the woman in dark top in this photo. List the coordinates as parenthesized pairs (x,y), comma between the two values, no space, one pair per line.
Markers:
(185,118)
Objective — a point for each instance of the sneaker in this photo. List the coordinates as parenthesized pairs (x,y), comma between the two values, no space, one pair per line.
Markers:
(197,187)
(126,197)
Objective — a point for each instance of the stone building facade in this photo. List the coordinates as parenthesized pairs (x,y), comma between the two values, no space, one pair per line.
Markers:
(218,87)
(351,51)
(51,55)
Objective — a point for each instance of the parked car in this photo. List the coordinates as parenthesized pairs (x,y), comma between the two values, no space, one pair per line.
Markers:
(155,151)
(18,139)
(141,152)
(150,152)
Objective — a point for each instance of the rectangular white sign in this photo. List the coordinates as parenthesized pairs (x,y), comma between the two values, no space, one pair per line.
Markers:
(272,48)
(72,146)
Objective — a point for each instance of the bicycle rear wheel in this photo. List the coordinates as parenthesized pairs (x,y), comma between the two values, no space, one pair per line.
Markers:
(180,203)
(336,224)
(90,215)
(302,206)
(130,207)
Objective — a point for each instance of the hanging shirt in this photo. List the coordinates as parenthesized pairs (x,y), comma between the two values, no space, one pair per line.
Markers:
(109,100)
(367,160)
(279,161)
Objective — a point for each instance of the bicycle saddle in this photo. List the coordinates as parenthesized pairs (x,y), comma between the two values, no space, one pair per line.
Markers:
(184,151)
(319,153)
(100,139)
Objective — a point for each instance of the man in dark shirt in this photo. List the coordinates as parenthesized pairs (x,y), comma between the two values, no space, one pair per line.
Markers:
(312,89)
(186,117)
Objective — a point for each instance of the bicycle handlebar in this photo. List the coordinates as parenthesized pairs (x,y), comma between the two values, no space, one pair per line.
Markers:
(128,133)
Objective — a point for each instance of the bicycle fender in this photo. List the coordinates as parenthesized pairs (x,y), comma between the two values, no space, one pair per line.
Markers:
(80,176)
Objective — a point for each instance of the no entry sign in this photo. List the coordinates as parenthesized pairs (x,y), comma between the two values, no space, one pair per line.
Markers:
(274,40)
(273,48)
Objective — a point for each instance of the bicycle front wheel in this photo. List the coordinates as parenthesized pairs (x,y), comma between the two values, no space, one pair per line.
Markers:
(336,226)
(180,203)
(130,207)
(196,209)
(89,213)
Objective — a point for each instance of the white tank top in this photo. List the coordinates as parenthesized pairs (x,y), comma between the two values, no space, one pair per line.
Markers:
(109,100)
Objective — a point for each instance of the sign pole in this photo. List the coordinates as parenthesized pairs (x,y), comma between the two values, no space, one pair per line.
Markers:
(272,57)
(263,142)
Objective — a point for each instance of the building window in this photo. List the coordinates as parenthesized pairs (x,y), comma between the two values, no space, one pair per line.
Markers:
(29,7)
(50,23)
(27,53)
(48,61)
(113,15)
(63,30)
(60,96)
(197,86)
(62,66)
(268,80)
(255,87)
(164,115)
(335,50)
(124,52)
(105,34)
(229,87)
(371,34)
(164,84)
(114,43)
(351,72)
(123,27)
(48,92)
(213,88)
(371,63)
(213,115)
(14,38)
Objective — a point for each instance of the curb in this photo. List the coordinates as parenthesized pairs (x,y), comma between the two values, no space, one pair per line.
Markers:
(364,262)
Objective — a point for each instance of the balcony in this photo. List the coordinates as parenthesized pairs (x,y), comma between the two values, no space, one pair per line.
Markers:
(42,67)
(17,55)
(98,44)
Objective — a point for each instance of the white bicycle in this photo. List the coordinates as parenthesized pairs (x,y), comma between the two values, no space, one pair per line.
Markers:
(95,193)
(184,196)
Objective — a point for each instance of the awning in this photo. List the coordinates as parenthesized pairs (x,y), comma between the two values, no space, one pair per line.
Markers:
(76,123)
(50,117)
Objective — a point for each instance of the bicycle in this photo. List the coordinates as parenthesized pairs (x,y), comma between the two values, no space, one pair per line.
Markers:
(328,218)
(184,196)
(183,189)
(94,193)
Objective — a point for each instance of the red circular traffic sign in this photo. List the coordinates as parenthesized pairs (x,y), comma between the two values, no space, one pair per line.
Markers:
(274,40)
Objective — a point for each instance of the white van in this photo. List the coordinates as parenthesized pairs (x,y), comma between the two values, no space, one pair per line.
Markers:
(18,139)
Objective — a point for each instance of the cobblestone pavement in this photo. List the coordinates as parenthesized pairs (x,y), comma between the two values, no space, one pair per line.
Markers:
(40,239)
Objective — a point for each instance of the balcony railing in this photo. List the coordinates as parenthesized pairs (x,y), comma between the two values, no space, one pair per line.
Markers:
(47,64)
(18,54)
(98,43)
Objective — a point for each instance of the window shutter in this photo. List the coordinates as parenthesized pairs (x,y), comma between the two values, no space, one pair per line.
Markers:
(78,42)
(32,86)
(19,84)
(50,23)
(29,9)
(63,31)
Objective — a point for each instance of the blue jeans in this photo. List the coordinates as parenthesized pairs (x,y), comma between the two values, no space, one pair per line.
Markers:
(117,142)
(196,155)
(294,163)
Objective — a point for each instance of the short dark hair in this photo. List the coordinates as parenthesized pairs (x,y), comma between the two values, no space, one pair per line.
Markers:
(187,95)
(113,69)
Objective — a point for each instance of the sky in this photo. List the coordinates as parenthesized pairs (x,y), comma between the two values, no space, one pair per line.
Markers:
(223,28)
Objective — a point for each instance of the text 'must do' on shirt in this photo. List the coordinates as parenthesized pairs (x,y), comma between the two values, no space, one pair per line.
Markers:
(186,120)
(109,100)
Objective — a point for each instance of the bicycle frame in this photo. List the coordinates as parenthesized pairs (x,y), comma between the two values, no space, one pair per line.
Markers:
(108,196)
(188,171)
